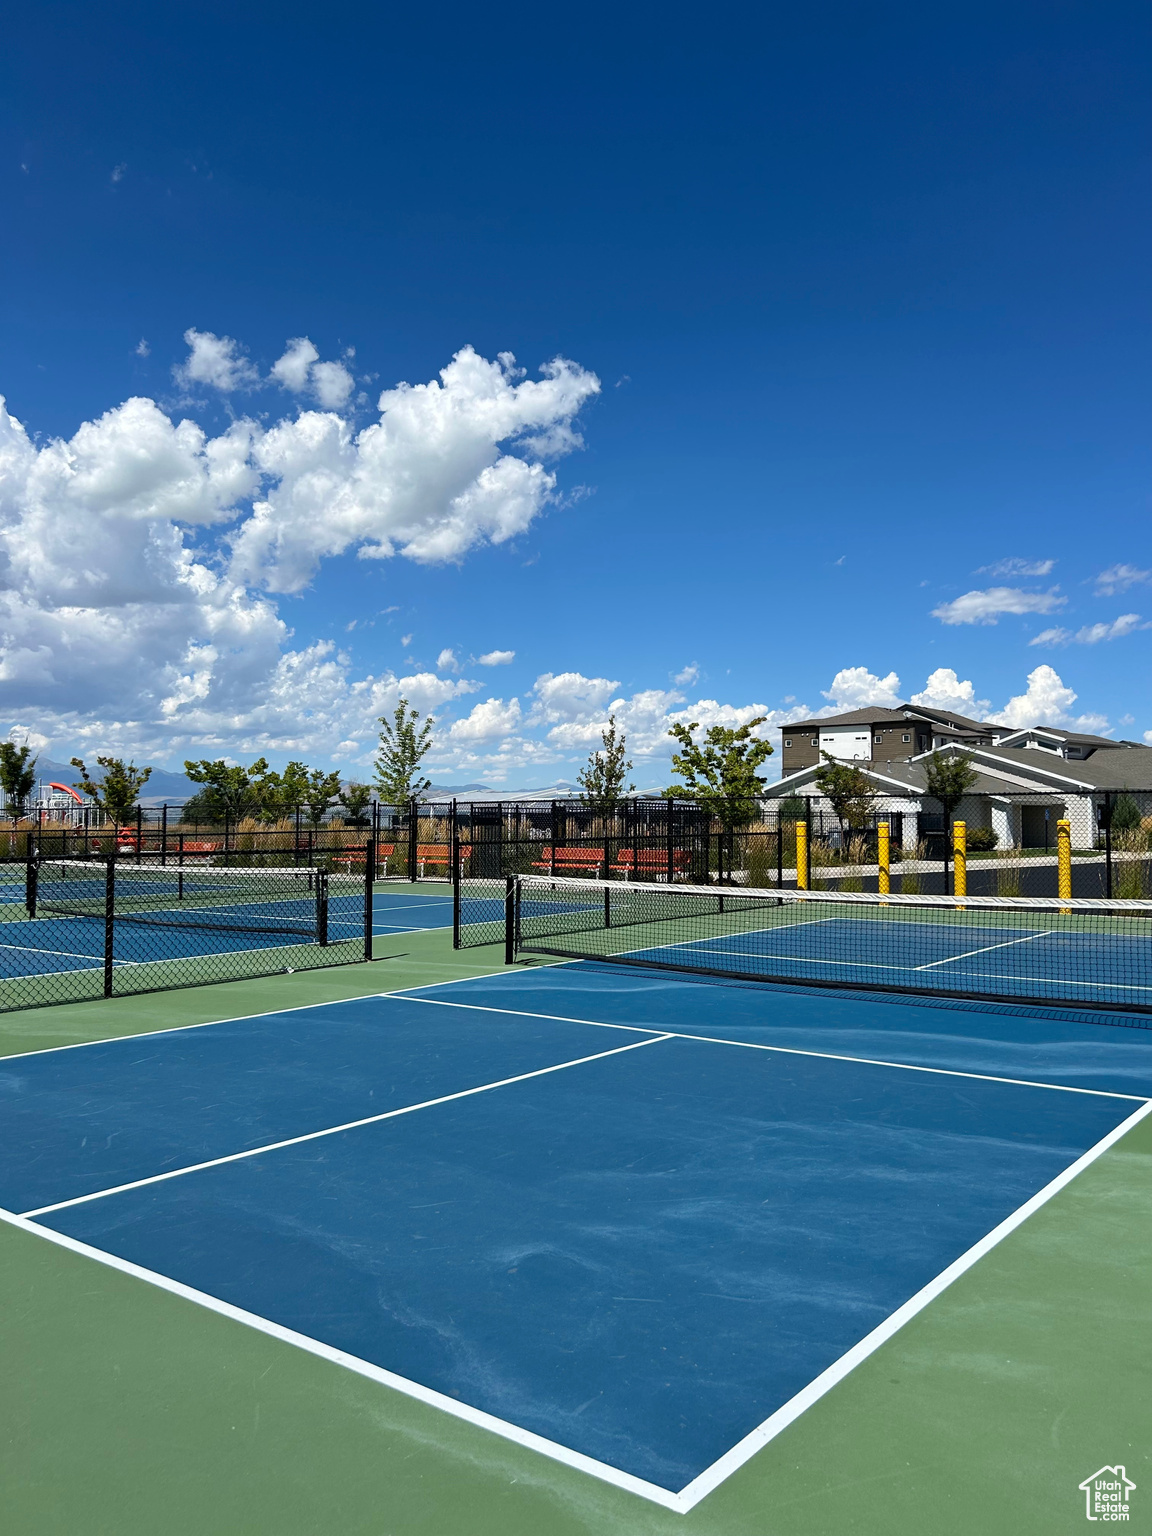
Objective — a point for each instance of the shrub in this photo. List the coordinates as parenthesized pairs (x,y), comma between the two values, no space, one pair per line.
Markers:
(1125,815)
(982,839)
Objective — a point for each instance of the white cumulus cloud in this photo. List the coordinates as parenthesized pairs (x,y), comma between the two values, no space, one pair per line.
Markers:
(486,721)
(496,658)
(857,688)
(137,556)
(987,606)
(217,361)
(1046,701)
(944,690)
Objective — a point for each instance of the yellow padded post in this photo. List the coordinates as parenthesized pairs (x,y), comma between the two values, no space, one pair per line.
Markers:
(882,858)
(801,854)
(959,858)
(1064,860)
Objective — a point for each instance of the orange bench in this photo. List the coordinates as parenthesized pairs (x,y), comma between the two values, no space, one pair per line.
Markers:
(651,863)
(569,859)
(351,856)
(441,853)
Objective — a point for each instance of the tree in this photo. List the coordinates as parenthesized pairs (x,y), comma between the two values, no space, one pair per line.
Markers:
(319,794)
(601,780)
(355,799)
(1125,813)
(279,795)
(231,792)
(791,808)
(950,777)
(721,774)
(117,792)
(17,776)
(402,749)
(847,789)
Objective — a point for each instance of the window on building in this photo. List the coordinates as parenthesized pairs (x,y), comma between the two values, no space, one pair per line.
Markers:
(815,741)
(787,741)
(905,737)
(878,740)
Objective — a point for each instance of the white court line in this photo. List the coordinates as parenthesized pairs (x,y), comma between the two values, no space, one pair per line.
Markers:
(402,1384)
(782,1050)
(335,1130)
(691,1494)
(967,955)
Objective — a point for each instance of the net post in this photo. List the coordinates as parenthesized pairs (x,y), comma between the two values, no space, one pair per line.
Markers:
(30,882)
(455,879)
(509,919)
(109,918)
(322,908)
(959,858)
(369,879)
(883,858)
(1064,859)
(801,855)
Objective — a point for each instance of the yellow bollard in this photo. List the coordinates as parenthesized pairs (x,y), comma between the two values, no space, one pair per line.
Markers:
(959,858)
(882,858)
(1064,860)
(801,855)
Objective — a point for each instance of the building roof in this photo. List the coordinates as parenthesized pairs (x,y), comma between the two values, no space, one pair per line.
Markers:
(876,715)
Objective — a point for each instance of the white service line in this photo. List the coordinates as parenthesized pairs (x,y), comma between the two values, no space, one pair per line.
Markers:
(968,953)
(783,1050)
(335,1130)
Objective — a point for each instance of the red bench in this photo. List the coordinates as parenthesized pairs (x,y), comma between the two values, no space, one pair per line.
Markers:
(569,859)
(651,863)
(441,853)
(350,856)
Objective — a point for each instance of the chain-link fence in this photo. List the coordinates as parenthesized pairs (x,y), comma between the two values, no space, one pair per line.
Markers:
(75,929)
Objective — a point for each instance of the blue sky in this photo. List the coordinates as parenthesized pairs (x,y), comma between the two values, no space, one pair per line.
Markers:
(850,305)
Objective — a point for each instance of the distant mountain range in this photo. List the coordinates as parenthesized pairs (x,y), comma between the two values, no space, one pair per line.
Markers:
(162,786)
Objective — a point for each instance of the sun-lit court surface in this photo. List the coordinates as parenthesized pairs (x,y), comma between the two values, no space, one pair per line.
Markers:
(636,1222)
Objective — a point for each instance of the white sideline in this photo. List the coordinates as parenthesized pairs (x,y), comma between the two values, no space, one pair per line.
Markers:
(693,1492)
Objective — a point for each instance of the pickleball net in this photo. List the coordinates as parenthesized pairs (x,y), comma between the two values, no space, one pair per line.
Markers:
(294,902)
(1076,953)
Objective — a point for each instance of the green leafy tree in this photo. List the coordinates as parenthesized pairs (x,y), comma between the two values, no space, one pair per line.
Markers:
(118,791)
(355,798)
(950,777)
(1125,813)
(280,795)
(847,789)
(17,776)
(602,780)
(201,810)
(720,773)
(319,794)
(404,743)
(229,791)
(792,808)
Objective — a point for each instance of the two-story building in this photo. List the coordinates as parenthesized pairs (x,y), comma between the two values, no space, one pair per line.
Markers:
(877,735)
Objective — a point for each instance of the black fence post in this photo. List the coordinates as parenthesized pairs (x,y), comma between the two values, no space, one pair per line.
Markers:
(369,881)
(454,854)
(1108,844)
(164,834)
(109,918)
(779,851)
(413,838)
(30,883)
(509,919)
(669,839)
(552,840)
(322,907)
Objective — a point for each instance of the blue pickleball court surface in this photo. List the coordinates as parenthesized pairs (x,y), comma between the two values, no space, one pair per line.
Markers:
(639,1256)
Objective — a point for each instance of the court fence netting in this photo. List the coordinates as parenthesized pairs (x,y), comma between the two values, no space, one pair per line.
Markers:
(72,930)
(1093,954)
